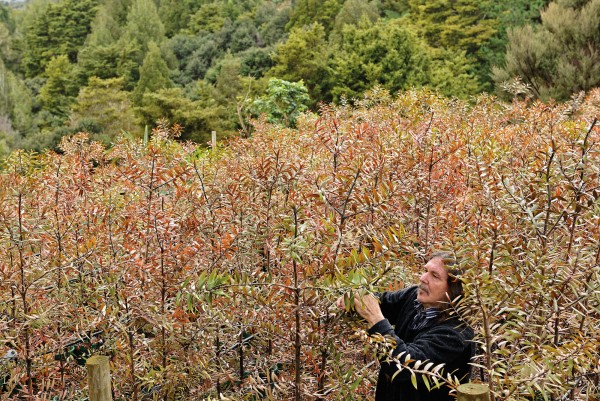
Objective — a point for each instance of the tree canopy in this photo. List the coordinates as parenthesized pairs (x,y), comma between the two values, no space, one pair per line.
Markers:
(559,56)
(339,49)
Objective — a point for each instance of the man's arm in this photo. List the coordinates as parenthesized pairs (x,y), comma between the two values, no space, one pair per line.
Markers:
(376,308)
(439,344)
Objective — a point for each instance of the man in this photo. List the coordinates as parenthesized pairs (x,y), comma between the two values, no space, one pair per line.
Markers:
(418,319)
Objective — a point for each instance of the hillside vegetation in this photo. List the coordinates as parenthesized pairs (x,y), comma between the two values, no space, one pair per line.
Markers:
(106,66)
(204,272)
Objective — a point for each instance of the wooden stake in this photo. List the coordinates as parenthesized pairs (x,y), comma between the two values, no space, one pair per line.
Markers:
(473,392)
(214,139)
(99,378)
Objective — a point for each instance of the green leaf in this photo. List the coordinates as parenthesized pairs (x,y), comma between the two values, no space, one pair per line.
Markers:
(426,381)
(355,384)
(413,379)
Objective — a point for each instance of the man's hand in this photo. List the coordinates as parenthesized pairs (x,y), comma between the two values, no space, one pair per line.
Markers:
(365,305)
(368,307)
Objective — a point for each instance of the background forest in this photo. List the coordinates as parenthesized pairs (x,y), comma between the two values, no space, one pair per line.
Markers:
(362,136)
(108,66)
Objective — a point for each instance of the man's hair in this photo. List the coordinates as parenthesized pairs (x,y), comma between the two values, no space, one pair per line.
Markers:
(455,288)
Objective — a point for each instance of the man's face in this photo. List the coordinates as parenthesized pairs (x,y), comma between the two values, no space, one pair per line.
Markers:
(433,284)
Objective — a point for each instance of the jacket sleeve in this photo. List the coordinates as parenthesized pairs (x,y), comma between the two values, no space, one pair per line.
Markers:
(439,344)
(390,302)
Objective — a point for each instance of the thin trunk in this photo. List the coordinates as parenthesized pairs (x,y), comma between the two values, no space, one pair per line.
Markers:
(488,342)
(131,350)
(148,213)
(218,352)
(163,331)
(297,341)
(494,241)
(323,365)
(132,363)
(429,200)
(23,293)
(241,356)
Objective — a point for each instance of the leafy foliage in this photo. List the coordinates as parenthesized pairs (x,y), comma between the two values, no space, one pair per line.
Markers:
(154,73)
(283,102)
(105,104)
(57,29)
(381,54)
(304,57)
(308,12)
(208,273)
(560,56)
(60,87)
(196,116)
(340,49)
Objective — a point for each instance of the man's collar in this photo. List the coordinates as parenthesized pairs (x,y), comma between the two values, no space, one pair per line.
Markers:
(430,312)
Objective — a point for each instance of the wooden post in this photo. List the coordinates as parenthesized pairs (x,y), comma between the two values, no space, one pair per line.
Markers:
(98,378)
(214,139)
(473,392)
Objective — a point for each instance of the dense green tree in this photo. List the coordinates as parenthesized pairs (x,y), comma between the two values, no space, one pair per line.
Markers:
(110,61)
(5,14)
(154,74)
(30,12)
(236,9)
(104,54)
(60,88)
(143,26)
(452,75)
(355,11)
(197,117)
(244,36)
(6,52)
(195,54)
(255,62)
(271,19)
(227,76)
(384,54)
(57,29)
(4,99)
(9,136)
(183,46)
(235,91)
(18,102)
(105,104)
(34,40)
(202,58)
(304,56)
(213,15)
(210,17)
(107,26)
(282,102)
(459,25)
(559,56)
(394,8)
(508,14)
(176,14)
(50,130)
(7,26)
(308,12)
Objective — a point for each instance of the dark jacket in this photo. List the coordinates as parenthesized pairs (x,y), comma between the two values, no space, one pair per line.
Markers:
(442,340)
